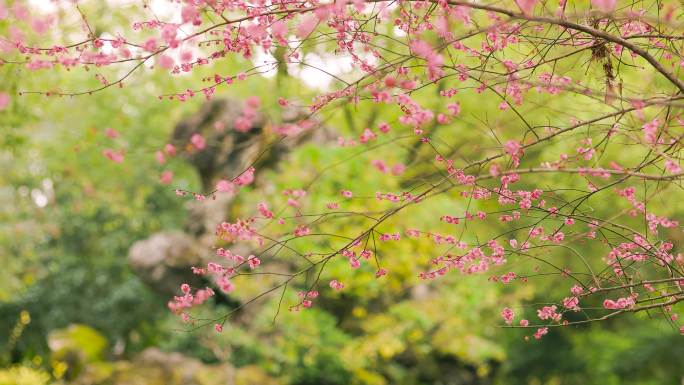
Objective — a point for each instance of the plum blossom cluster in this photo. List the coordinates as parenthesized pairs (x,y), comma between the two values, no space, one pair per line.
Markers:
(537,183)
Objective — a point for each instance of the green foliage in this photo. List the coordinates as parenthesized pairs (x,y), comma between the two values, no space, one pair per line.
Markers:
(23,375)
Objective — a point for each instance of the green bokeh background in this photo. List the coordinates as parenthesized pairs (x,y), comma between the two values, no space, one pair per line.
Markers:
(73,311)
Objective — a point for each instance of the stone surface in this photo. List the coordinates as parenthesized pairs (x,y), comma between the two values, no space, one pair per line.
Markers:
(164,259)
